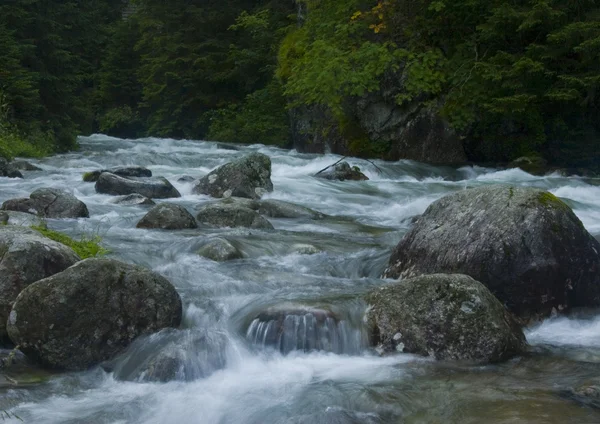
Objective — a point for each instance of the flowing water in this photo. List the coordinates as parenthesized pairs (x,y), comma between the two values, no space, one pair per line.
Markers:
(278,337)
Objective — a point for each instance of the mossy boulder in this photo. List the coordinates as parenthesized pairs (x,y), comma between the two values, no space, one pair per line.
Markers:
(248,177)
(153,188)
(524,244)
(49,203)
(90,312)
(444,316)
(26,257)
(168,217)
(231,215)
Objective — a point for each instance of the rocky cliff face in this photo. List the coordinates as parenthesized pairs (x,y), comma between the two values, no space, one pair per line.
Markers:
(377,127)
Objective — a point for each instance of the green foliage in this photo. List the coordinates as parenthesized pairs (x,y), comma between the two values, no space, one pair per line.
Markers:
(261,118)
(87,247)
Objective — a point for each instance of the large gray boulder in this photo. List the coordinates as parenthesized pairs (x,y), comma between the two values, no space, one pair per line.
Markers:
(445,316)
(168,217)
(220,250)
(121,171)
(49,203)
(90,312)
(524,244)
(26,257)
(153,188)
(231,215)
(342,172)
(248,177)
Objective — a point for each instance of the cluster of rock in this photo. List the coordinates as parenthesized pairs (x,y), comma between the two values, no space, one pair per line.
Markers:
(65,313)
(476,266)
(13,169)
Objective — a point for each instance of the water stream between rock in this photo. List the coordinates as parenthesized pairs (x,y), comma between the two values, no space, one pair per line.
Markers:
(303,272)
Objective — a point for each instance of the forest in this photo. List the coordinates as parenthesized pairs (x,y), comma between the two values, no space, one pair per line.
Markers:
(508,78)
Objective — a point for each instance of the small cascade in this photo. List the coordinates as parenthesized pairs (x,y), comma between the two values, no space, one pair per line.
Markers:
(305,330)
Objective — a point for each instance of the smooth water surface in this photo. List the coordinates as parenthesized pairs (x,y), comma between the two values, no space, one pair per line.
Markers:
(226,371)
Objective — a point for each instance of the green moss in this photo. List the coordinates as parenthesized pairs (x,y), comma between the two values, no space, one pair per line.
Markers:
(87,247)
(549,199)
(89,177)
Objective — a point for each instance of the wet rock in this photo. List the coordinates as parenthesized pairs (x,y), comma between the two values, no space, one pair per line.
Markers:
(445,316)
(342,172)
(186,179)
(24,166)
(17,370)
(524,244)
(534,165)
(231,215)
(248,177)
(49,203)
(90,312)
(168,217)
(305,249)
(7,169)
(121,171)
(173,355)
(26,257)
(299,328)
(220,250)
(281,209)
(153,188)
(133,199)
(21,219)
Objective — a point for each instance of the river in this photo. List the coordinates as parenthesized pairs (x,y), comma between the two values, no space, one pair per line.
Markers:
(227,375)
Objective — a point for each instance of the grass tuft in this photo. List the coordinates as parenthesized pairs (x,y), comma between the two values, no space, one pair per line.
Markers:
(87,247)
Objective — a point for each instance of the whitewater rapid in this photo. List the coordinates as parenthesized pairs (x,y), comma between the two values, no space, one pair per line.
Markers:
(229,378)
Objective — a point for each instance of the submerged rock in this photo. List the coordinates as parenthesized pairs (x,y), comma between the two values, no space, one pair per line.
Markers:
(49,203)
(186,179)
(220,250)
(153,188)
(445,316)
(168,217)
(524,244)
(342,172)
(231,215)
(587,394)
(248,177)
(21,219)
(90,312)
(26,257)
(133,199)
(121,171)
(173,355)
(281,209)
